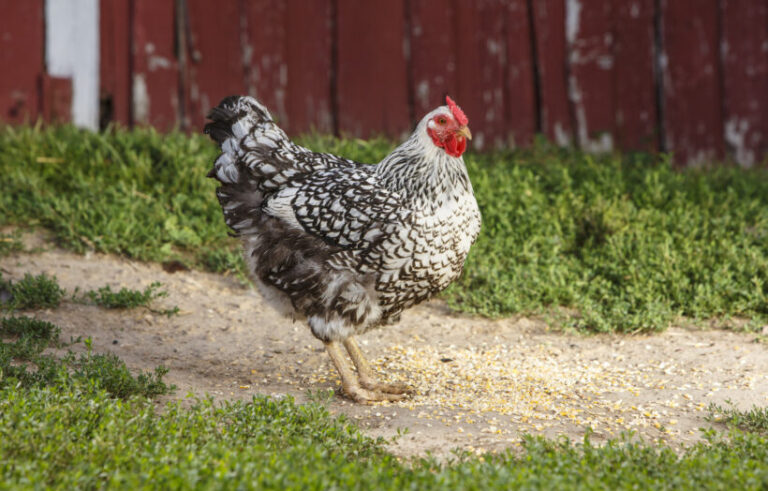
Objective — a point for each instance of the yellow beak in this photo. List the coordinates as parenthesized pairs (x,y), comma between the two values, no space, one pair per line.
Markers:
(464,131)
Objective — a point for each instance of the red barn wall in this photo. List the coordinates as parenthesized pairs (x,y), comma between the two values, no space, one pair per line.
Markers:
(683,76)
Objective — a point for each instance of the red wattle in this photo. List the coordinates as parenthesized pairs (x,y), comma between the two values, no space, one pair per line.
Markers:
(455,145)
(462,146)
(452,144)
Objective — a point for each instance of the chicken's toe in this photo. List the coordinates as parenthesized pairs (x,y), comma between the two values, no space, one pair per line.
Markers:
(396,388)
(366,396)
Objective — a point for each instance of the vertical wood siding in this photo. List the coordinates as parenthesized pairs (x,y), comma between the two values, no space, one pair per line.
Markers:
(371,72)
(685,76)
(115,67)
(744,50)
(634,76)
(692,75)
(155,69)
(21,60)
(548,24)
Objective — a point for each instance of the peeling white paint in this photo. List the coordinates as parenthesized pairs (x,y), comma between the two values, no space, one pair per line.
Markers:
(597,55)
(493,47)
(562,138)
(205,104)
(663,60)
(736,136)
(701,158)
(156,62)
(605,62)
(72,51)
(247,54)
(478,141)
(603,143)
(422,93)
(140,99)
(572,19)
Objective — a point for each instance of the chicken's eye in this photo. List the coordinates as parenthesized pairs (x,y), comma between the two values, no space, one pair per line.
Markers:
(441,121)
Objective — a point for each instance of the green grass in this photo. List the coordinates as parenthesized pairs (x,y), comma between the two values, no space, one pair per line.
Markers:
(23,341)
(128,298)
(626,242)
(10,243)
(42,291)
(631,243)
(88,423)
(31,292)
(78,436)
(752,420)
(31,337)
(24,363)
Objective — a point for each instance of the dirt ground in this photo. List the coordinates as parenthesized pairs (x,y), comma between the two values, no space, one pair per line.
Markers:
(479,384)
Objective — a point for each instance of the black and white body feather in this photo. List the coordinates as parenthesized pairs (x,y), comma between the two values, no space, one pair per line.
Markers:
(347,246)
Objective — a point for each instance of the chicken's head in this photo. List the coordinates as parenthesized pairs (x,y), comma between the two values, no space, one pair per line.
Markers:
(448,128)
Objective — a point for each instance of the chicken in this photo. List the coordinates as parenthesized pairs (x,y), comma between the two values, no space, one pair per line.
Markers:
(343,245)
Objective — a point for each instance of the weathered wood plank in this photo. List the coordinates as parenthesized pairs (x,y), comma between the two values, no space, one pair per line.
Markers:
(520,99)
(433,54)
(745,79)
(308,58)
(115,61)
(22,32)
(634,81)
(215,63)
(549,27)
(481,63)
(56,99)
(693,94)
(155,78)
(371,73)
(264,59)
(590,43)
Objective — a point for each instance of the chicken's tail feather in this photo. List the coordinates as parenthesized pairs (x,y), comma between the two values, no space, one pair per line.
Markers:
(237,124)
(256,160)
(254,150)
(234,117)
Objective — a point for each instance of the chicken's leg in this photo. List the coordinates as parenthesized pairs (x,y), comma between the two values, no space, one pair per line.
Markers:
(349,381)
(365,373)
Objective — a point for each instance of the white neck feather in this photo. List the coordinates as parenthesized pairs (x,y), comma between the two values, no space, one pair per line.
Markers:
(421,172)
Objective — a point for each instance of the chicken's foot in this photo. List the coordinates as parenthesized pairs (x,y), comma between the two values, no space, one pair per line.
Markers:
(365,372)
(349,381)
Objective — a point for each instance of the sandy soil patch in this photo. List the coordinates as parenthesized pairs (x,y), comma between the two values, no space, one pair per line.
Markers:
(479,384)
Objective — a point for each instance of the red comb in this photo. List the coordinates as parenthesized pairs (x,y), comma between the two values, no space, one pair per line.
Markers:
(461,118)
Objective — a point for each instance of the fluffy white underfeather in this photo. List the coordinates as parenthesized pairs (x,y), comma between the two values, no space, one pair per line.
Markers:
(334,329)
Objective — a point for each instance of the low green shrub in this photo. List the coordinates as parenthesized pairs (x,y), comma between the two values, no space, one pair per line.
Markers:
(31,292)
